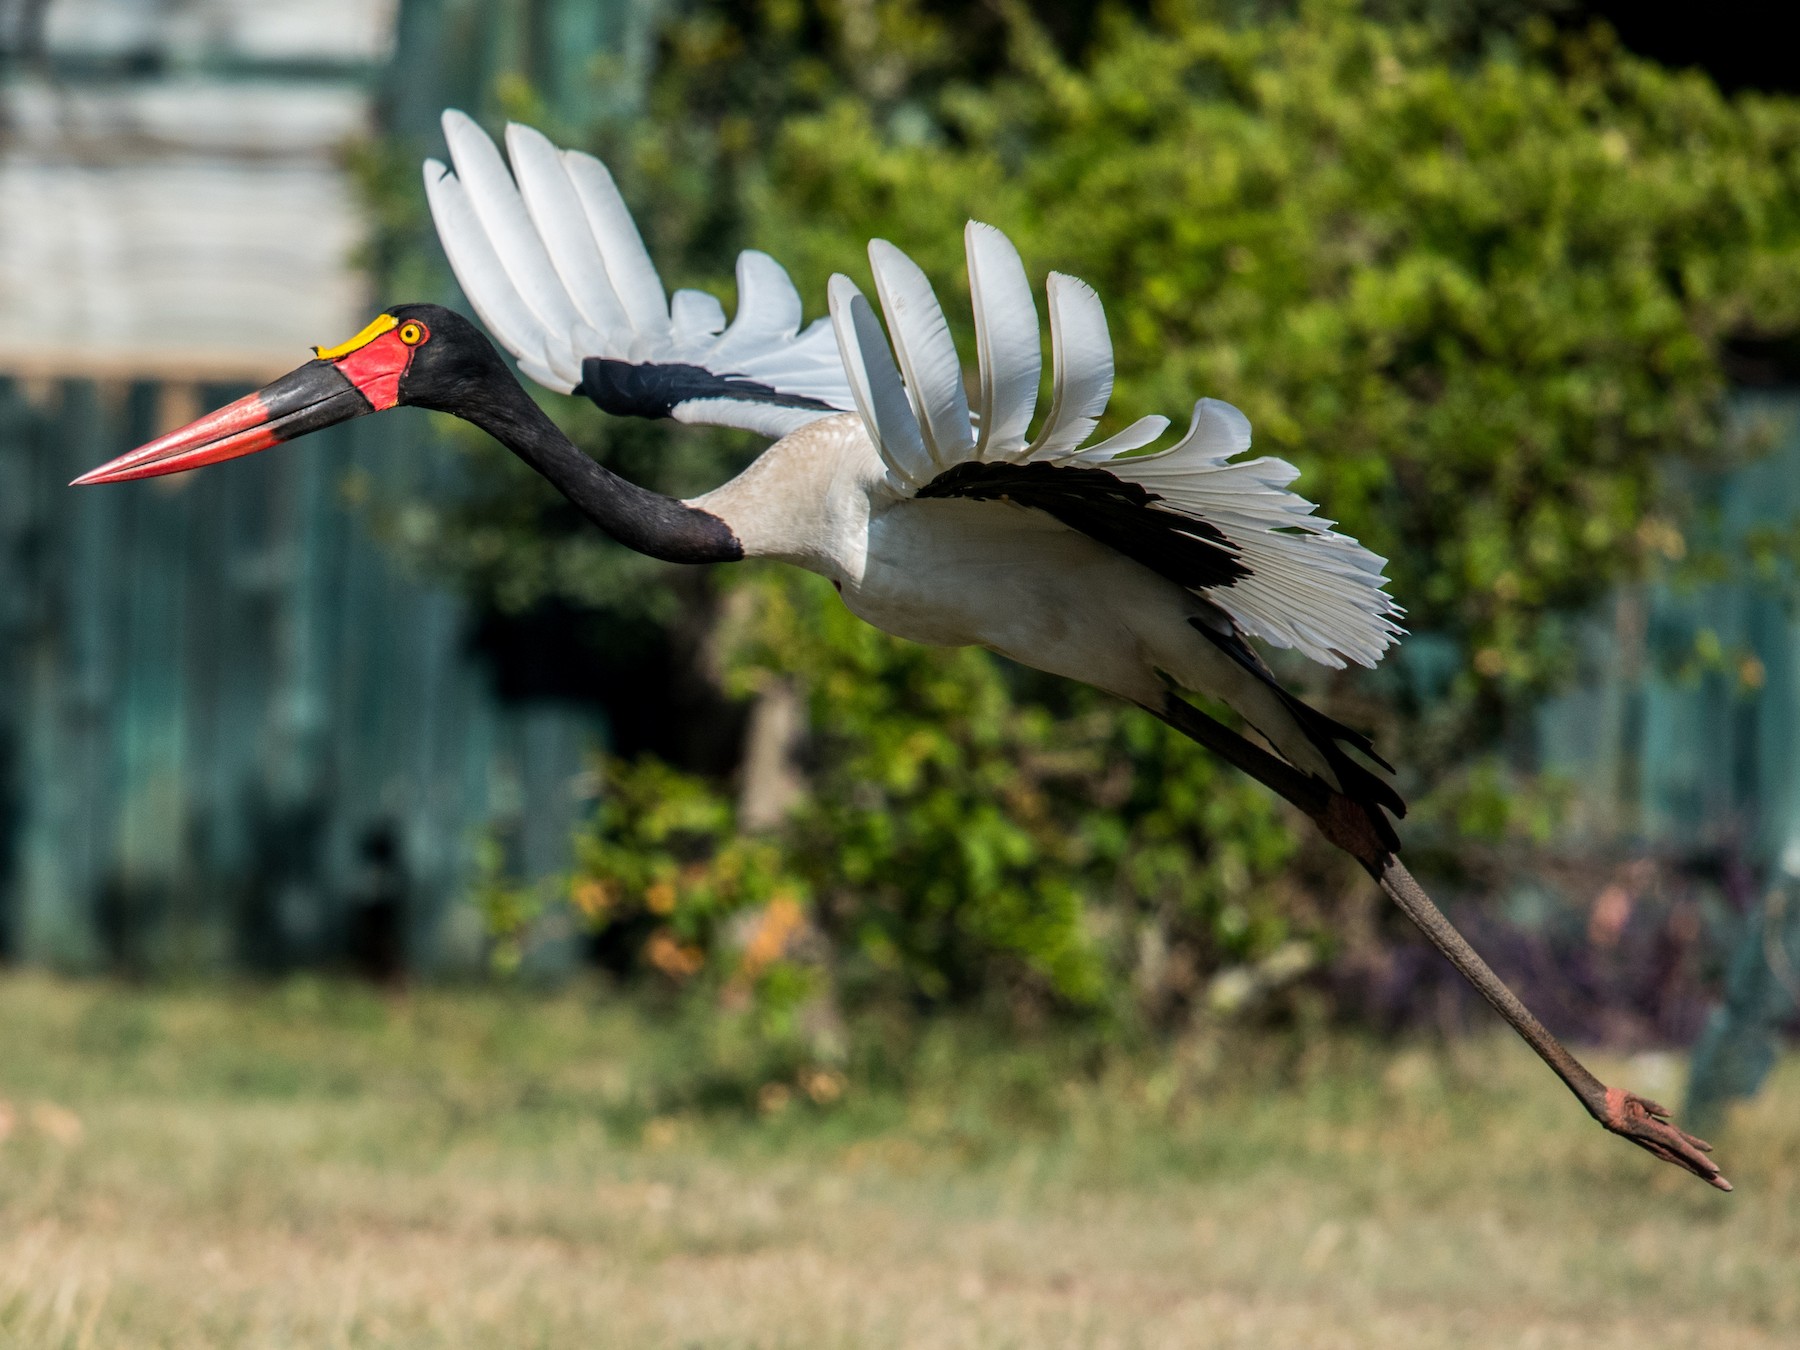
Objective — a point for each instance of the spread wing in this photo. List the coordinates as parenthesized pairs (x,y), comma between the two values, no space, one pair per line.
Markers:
(1225,527)
(550,258)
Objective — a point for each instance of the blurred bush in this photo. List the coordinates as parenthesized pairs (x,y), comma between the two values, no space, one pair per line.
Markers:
(1476,289)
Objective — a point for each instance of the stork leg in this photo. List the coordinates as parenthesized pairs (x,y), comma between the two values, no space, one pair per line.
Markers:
(1346,824)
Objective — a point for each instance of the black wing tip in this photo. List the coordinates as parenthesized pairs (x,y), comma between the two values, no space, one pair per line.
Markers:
(654,389)
(1359,782)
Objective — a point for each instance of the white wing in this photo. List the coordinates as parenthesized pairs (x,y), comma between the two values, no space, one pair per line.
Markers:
(1227,528)
(550,258)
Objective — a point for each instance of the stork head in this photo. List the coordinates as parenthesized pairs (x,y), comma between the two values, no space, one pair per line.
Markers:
(424,355)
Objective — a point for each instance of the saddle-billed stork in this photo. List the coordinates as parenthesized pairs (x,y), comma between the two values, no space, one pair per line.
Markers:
(939,519)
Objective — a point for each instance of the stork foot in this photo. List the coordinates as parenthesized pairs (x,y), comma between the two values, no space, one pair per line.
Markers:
(1647,1124)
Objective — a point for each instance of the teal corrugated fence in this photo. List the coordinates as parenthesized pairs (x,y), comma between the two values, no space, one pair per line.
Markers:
(234,731)
(1684,738)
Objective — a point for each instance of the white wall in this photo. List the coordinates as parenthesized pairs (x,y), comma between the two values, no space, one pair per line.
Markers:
(196,222)
(201,30)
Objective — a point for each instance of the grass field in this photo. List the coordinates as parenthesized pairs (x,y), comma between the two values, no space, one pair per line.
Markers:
(315,1165)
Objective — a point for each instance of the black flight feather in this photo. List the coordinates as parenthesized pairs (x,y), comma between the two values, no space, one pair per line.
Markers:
(1360,784)
(654,388)
(1107,509)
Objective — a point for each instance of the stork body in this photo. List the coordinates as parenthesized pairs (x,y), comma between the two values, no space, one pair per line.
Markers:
(940,518)
(952,572)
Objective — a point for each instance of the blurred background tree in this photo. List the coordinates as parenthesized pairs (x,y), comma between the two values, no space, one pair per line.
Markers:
(1475,269)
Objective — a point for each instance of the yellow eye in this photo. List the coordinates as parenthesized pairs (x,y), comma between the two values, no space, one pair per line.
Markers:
(412,332)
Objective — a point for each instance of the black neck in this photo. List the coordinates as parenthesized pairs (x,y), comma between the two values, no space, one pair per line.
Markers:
(646,521)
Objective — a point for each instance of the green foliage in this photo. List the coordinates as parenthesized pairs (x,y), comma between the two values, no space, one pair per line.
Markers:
(1476,290)
(664,846)
(1477,302)
(663,857)
(974,827)
(508,908)
(962,836)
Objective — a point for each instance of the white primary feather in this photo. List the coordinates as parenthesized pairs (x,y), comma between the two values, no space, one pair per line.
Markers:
(1218,430)
(1082,370)
(810,366)
(484,278)
(875,383)
(628,264)
(550,258)
(1309,587)
(501,211)
(697,318)
(768,311)
(1134,437)
(1007,344)
(556,214)
(812,355)
(927,354)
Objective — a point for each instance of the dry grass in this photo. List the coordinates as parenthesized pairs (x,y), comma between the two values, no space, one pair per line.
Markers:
(314,1166)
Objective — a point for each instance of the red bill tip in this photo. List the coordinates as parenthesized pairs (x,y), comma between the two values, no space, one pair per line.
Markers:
(315,396)
(239,428)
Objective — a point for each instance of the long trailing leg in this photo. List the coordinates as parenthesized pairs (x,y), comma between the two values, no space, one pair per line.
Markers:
(1347,824)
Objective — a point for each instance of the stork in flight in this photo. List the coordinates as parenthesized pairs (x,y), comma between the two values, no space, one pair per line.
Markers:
(939,519)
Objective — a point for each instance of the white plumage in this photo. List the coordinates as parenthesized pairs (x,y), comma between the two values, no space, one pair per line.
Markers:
(550,258)
(880,396)
(1081,367)
(1009,354)
(557,214)
(1309,587)
(938,520)
(628,266)
(927,354)
(478,266)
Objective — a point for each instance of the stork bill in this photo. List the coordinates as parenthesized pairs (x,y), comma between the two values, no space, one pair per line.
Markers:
(359,376)
(1139,565)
